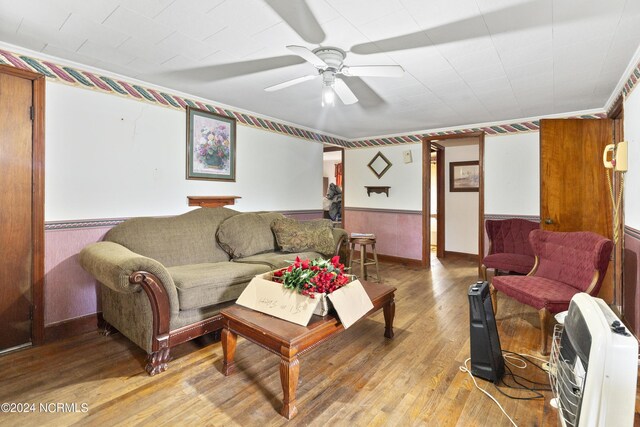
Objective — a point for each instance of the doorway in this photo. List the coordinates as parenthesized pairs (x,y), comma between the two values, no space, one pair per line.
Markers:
(22,213)
(333,184)
(458,206)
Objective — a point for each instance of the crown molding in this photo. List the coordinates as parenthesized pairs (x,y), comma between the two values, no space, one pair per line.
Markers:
(518,126)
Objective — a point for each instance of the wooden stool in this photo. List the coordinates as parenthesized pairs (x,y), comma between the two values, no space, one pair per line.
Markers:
(364,261)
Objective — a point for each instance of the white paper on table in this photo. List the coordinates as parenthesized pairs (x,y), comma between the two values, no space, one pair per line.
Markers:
(272,298)
(351,302)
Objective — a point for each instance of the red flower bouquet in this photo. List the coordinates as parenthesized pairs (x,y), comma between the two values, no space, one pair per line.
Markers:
(309,277)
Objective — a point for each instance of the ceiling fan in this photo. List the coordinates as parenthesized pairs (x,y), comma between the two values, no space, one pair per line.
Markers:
(329,62)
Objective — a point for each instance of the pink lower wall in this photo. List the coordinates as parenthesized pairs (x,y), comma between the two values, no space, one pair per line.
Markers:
(631,279)
(71,292)
(398,233)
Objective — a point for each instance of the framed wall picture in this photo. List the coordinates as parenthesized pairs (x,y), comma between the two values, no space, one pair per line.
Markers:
(211,146)
(464,176)
(379,165)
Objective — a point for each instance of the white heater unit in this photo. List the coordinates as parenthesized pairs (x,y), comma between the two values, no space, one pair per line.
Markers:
(593,366)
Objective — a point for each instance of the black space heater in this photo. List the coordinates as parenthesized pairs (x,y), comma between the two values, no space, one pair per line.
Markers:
(486,354)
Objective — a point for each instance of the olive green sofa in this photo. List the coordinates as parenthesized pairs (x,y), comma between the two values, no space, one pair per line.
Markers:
(165,280)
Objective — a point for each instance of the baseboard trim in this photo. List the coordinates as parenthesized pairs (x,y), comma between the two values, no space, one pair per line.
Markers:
(409,262)
(470,257)
(72,327)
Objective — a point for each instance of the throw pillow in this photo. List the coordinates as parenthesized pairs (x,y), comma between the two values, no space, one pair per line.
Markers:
(295,236)
(244,235)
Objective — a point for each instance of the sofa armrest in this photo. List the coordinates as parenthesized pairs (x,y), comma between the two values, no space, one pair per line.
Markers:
(117,267)
(340,237)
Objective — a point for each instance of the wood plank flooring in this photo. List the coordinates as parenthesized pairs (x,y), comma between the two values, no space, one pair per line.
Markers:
(357,379)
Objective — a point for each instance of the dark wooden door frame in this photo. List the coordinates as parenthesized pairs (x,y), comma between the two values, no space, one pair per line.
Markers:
(327,149)
(37,221)
(617,115)
(440,219)
(427,142)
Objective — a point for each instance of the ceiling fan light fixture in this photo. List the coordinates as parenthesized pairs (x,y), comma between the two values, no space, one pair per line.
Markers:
(328,96)
(328,82)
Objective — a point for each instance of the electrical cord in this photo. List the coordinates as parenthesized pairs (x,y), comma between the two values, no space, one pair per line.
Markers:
(519,361)
(512,355)
(616,204)
(466,369)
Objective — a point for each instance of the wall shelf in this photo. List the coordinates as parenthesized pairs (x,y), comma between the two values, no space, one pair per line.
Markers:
(377,189)
(212,201)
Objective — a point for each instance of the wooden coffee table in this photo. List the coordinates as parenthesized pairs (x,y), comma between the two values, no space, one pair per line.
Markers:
(289,340)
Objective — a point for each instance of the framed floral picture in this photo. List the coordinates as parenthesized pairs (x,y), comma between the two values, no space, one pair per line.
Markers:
(211,146)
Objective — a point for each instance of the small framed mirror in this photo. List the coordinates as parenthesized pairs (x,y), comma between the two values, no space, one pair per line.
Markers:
(379,165)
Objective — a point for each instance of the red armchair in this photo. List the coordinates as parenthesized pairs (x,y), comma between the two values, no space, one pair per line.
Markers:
(509,248)
(566,264)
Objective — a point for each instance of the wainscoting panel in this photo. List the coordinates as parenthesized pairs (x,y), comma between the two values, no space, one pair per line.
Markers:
(631,278)
(69,291)
(398,233)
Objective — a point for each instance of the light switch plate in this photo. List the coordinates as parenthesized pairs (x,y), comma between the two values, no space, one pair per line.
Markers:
(406,155)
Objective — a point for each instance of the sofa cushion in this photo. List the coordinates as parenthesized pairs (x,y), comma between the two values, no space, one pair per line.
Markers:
(537,292)
(510,262)
(201,285)
(270,216)
(189,238)
(276,260)
(245,234)
(296,236)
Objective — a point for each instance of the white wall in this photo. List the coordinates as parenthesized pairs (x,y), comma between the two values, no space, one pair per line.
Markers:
(405,179)
(461,209)
(110,157)
(512,174)
(632,178)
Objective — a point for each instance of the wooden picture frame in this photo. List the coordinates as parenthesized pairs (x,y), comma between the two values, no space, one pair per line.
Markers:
(211,146)
(379,165)
(464,176)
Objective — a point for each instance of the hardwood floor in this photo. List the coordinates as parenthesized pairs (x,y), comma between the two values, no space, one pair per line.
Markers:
(359,378)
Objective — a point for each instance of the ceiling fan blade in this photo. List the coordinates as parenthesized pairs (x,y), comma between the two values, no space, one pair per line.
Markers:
(290,83)
(463,29)
(374,71)
(307,55)
(344,93)
(208,73)
(300,18)
(367,97)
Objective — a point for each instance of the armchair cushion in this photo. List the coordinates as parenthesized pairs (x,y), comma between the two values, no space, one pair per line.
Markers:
(537,292)
(510,235)
(201,285)
(572,257)
(510,262)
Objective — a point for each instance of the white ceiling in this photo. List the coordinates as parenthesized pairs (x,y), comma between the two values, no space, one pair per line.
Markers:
(466,61)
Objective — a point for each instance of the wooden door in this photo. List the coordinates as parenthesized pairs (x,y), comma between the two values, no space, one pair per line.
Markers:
(574,194)
(16,213)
